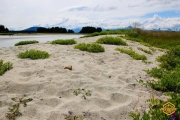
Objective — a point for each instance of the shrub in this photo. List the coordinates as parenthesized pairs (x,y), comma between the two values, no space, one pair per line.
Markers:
(111,40)
(34,54)
(94,47)
(26,42)
(133,54)
(64,42)
(5,67)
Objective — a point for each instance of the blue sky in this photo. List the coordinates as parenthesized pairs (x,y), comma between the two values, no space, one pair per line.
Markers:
(151,14)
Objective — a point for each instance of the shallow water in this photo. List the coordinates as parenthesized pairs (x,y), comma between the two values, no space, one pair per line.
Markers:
(8,41)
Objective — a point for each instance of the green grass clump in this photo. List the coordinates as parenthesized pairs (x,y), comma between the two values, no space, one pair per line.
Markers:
(144,50)
(26,42)
(132,53)
(111,40)
(94,47)
(64,42)
(34,54)
(5,67)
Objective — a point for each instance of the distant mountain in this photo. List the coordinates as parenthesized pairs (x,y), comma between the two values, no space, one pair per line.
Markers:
(77,30)
(31,29)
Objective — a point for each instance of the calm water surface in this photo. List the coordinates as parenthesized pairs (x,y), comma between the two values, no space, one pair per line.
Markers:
(8,41)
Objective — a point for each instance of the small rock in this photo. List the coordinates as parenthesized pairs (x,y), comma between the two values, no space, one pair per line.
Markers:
(68,67)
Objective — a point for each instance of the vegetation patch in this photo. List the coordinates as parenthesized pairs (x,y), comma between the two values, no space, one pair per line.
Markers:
(144,50)
(111,40)
(14,110)
(83,92)
(64,42)
(34,54)
(26,42)
(5,67)
(94,47)
(132,53)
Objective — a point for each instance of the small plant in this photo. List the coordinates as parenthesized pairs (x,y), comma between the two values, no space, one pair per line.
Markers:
(83,92)
(14,110)
(111,40)
(94,47)
(64,42)
(133,54)
(34,54)
(5,67)
(144,50)
(146,62)
(26,42)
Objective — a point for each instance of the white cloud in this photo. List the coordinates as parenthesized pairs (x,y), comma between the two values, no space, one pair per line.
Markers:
(109,13)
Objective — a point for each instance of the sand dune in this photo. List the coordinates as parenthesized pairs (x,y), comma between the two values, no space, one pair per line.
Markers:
(110,76)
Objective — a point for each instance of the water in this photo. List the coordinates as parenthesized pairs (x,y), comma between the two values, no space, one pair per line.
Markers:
(8,41)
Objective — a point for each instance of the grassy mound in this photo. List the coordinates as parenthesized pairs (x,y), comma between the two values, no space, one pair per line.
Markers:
(132,53)
(111,40)
(94,47)
(26,42)
(5,67)
(64,42)
(34,54)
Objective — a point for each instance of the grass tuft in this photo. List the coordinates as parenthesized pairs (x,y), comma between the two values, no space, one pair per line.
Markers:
(132,53)
(5,67)
(111,40)
(34,54)
(94,47)
(64,42)
(144,50)
(26,42)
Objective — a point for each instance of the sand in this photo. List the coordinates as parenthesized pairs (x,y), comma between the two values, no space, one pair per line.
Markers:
(110,76)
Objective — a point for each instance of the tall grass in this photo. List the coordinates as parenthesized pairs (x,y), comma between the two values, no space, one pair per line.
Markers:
(5,67)
(162,39)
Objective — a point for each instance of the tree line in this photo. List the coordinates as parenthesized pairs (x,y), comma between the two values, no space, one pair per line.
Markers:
(53,30)
(3,29)
(87,29)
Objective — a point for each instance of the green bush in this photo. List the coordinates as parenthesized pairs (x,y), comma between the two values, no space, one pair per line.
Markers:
(34,54)
(111,40)
(64,42)
(132,53)
(5,67)
(94,47)
(26,42)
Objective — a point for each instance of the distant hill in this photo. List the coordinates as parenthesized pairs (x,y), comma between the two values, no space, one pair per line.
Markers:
(31,29)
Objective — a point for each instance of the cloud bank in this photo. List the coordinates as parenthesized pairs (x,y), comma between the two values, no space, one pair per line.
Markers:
(107,14)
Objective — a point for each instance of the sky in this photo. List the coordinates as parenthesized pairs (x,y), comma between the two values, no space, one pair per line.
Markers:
(149,14)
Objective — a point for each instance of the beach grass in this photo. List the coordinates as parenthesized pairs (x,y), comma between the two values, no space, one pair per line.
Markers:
(26,42)
(64,42)
(34,54)
(132,53)
(94,47)
(111,40)
(5,67)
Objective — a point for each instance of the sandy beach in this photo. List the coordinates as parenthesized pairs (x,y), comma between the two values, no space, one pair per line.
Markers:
(110,76)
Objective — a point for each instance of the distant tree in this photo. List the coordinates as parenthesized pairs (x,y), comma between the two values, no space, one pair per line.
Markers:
(52,30)
(70,31)
(89,29)
(3,29)
(99,29)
